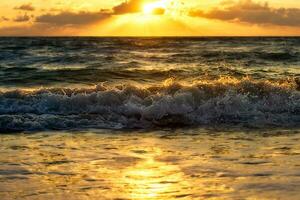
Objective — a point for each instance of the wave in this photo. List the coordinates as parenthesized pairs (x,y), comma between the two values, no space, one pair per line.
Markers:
(286,56)
(225,101)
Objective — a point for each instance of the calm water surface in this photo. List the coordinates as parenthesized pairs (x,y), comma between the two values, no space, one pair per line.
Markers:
(169,164)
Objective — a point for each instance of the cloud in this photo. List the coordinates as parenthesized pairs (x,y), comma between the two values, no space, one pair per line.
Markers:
(72,18)
(131,6)
(134,6)
(83,18)
(26,7)
(251,12)
(4,18)
(158,11)
(36,30)
(22,18)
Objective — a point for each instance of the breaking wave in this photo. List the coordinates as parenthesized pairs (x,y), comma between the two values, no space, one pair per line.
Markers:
(226,101)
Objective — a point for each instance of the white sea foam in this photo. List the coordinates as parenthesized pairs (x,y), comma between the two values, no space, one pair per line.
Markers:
(226,101)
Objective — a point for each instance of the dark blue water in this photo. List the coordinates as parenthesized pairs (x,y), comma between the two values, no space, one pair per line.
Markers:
(79,83)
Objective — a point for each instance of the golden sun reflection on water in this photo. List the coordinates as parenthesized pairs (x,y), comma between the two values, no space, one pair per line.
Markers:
(148,167)
(152,179)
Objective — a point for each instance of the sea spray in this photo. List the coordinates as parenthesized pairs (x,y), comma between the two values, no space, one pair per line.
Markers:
(228,100)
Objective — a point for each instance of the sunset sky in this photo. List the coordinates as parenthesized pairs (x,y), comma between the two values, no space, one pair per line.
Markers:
(149,17)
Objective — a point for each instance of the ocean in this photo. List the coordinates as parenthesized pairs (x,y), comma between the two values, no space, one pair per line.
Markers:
(150,118)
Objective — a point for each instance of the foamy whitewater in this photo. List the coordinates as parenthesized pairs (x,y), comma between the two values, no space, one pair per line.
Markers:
(117,83)
(225,101)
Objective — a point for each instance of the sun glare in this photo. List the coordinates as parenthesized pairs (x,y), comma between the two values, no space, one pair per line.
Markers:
(154,8)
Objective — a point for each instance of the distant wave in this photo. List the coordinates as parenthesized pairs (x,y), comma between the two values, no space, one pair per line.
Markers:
(226,101)
(287,56)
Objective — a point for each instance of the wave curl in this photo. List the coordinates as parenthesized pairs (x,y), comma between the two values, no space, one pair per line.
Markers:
(226,101)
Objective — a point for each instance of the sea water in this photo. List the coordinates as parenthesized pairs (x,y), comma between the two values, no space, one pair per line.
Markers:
(150,118)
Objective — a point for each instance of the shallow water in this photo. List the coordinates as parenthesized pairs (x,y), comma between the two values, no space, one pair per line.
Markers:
(165,164)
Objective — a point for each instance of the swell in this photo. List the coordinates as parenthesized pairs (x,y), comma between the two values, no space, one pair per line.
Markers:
(225,101)
(286,56)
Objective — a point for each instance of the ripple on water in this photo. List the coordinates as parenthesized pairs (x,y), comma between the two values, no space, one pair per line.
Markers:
(147,165)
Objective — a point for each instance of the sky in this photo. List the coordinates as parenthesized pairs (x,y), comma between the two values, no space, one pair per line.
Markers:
(150,18)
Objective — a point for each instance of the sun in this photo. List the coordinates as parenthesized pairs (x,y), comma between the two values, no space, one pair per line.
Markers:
(148,8)
(155,8)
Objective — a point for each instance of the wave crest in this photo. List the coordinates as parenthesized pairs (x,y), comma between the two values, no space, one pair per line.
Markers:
(227,101)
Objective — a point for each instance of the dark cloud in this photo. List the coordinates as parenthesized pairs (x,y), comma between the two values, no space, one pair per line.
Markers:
(252,12)
(72,18)
(131,6)
(26,7)
(82,18)
(22,18)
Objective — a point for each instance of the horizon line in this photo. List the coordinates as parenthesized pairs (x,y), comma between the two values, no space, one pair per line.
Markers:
(166,36)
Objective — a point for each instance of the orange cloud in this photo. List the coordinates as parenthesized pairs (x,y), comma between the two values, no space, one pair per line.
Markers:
(82,18)
(26,7)
(72,18)
(4,19)
(24,30)
(251,12)
(22,18)
(158,11)
(131,6)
